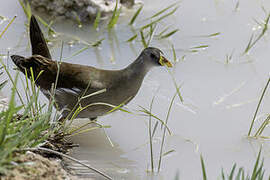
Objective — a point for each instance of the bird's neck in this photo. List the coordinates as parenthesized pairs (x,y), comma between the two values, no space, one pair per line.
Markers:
(138,68)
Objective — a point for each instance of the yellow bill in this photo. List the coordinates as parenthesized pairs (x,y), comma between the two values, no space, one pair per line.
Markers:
(164,62)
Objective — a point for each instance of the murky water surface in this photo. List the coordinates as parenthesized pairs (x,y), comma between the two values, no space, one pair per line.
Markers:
(220,93)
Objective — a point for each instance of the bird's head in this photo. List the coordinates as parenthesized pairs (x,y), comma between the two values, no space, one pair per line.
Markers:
(155,57)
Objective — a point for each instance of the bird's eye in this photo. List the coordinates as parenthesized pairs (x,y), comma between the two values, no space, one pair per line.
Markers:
(153,56)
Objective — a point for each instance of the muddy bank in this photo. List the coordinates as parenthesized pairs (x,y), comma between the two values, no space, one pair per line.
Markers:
(32,166)
(82,10)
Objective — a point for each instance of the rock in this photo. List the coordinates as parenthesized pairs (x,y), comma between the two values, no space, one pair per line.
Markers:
(84,10)
(31,166)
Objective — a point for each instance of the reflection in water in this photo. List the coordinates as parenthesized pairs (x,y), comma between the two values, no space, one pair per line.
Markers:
(133,49)
(112,39)
(227,95)
(96,150)
(99,56)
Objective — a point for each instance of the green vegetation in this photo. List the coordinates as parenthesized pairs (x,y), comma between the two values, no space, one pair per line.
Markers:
(97,20)
(253,40)
(258,172)
(115,16)
(147,31)
(266,122)
(152,130)
(161,154)
(3,32)
(135,15)
(23,126)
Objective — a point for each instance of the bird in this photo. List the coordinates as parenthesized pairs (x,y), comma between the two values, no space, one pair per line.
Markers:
(77,85)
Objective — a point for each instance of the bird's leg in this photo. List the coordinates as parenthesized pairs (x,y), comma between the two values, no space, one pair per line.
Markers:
(61,119)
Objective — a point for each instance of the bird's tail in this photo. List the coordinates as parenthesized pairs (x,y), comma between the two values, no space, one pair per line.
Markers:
(35,61)
(18,61)
(38,43)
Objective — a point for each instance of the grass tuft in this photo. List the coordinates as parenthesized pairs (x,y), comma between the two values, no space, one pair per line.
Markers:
(22,126)
(164,134)
(115,16)
(253,41)
(257,173)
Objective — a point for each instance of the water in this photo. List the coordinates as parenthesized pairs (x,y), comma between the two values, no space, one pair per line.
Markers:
(219,98)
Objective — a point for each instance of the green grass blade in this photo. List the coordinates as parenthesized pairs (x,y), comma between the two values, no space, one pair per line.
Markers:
(222,174)
(200,47)
(154,129)
(164,132)
(98,42)
(249,44)
(26,8)
(169,34)
(132,38)
(87,130)
(252,42)
(254,172)
(157,118)
(151,34)
(238,176)
(263,126)
(115,16)
(168,152)
(51,30)
(163,31)
(174,54)
(77,52)
(150,136)
(211,35)
(161,18)
(6,28)
(9,113)
(163,10)
(77,18)
(232,172)
(97,20)
(12,81)
(177,177)
(94,94)
(177,87)
(143,39)
(203,168)
(214,34)
(135,15)
(258,106)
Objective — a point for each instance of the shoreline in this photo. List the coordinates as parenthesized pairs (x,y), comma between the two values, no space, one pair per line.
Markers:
(32,166)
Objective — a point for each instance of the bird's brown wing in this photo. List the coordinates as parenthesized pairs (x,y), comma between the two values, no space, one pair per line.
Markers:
(70,75)
(39,45)
(74,81)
